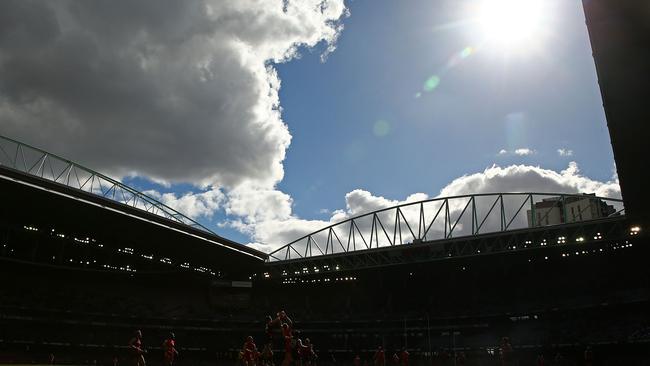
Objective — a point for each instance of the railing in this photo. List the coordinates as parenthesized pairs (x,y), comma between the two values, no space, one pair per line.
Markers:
(42,164)
(447,218)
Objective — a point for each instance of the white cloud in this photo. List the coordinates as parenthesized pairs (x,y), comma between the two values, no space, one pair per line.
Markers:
(175,91)
(524,151)
(279,226)
(258,204)
(195,205)
(526,178)
(565,152)
(192,205)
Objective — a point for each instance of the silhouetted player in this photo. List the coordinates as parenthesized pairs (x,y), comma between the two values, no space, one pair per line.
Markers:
(404,357)
(169,350)
(283,318)
(267,355)
(268,329)
(309,353)
(136,349)
(505,352)
(589,356)
(287,337)
(249,352)
(380,357)
(460,359)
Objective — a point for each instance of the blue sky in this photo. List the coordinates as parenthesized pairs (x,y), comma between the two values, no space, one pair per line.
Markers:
(543,99)
(280,118)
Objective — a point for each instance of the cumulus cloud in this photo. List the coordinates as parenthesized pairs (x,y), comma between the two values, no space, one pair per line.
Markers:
(526,178)
(270,234)
(280,226)
(177,91)
(565,152)
(193,205)
(524,151)
(258,204)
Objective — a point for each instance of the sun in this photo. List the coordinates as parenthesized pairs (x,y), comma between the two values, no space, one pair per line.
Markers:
(510,22)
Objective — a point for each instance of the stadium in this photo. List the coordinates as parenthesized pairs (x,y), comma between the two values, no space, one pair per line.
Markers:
(504,278)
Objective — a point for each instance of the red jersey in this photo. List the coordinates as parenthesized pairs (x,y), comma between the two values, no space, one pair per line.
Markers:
(268,329)
(380,357)
(136,346)
(506,354)
(286,333)
(404,358)
(357,361)
(303,350)
(250,351)
(169,347)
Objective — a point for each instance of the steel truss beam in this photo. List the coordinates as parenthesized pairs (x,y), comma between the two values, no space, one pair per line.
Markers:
(42,164)
(570,236)
(449,218)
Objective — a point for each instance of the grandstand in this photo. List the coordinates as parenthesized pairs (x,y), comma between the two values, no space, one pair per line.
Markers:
(438,277)
(91,221)
(85,260)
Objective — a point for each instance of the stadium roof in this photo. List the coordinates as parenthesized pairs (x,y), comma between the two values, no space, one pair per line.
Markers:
(448,219)
(40,188)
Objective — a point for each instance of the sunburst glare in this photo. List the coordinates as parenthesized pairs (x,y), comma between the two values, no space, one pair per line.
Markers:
(510,23)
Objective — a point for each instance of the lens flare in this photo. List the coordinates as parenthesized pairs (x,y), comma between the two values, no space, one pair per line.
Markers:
(381,128)
(431,83)
(466,52)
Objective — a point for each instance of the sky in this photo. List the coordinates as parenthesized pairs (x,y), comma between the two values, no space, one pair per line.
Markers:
(266,120)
